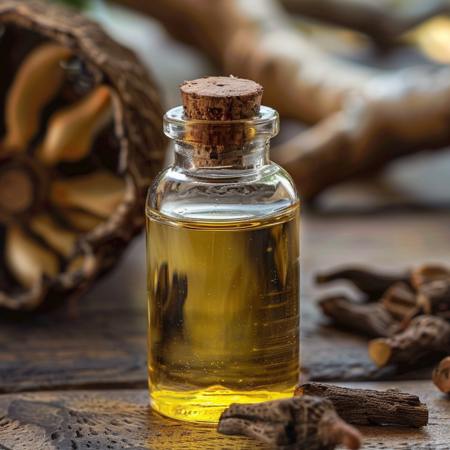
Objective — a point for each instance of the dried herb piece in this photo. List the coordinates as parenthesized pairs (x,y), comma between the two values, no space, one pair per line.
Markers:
(434,298)
(441,375)
(308,423)
(401,301)
(425,339)
(372,283)
(370,407)
(80,140)
(427,273)
(371,319)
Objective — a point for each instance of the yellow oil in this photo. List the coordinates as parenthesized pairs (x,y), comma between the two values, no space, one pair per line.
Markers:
(223,313)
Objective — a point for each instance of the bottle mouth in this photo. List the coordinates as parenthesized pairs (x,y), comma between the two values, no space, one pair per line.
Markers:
(262,127)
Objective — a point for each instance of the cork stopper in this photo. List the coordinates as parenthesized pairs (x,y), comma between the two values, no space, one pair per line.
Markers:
(221,98)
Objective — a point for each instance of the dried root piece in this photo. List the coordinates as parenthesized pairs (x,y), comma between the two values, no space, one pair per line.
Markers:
(27,260)
(400,301)
(441,375)
(368,319)
(425,339)
(370,407)
(434,298)
(79,221)
(99,193)
(60,239)
(72,130)
(36,83)
(308,423)
(373,284)
(428,273)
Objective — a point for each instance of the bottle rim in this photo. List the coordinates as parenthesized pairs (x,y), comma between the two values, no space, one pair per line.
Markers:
(264,126)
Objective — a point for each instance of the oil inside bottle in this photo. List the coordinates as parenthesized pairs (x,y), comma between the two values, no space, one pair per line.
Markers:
(223,313)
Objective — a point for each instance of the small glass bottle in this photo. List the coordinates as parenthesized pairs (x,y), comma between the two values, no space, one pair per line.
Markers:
(223,258)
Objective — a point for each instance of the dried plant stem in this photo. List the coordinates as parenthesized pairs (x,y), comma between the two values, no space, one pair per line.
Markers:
(441,375)
(370,407)
(426,338)
(367,319)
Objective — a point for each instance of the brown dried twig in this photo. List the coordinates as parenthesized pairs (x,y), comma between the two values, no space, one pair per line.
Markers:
(400,301)
(441,375)
(425,339)
(370,407)
(367,319)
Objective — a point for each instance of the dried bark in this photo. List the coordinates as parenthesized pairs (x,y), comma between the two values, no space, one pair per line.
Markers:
(366,117)
(306,422)
(382,23)
(80,140)
(441,375)
(425,339)
(370,407)
(367,319)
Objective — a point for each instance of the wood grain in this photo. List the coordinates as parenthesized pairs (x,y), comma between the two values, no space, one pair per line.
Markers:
(121,419)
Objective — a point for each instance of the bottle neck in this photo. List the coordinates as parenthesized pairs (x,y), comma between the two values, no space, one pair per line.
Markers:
(251,156)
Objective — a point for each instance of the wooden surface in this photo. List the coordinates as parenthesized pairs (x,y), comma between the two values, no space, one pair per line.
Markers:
(75,378)
(121,419)
(99,344)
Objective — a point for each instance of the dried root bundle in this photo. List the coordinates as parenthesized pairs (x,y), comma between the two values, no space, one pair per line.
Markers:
(401,296)
(306,422)
(410,320)
(80,140)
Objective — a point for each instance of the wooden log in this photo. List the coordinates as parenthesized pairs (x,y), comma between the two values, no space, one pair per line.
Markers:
(370,407)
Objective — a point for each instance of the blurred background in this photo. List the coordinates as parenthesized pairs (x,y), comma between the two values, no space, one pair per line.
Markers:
(385,50)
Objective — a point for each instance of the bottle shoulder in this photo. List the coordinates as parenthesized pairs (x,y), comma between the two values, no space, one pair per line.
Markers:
(221,194)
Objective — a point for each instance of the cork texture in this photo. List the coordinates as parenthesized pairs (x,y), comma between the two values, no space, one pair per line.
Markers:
(220,99)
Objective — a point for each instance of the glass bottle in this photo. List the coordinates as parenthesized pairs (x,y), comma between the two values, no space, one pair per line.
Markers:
(223,270)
